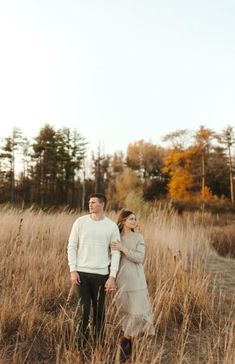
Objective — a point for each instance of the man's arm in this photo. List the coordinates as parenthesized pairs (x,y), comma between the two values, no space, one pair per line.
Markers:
(72,253)
(115,255)
(110,284)
(114,266)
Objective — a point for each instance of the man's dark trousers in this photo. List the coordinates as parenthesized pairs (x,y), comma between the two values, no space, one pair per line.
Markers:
(92,290)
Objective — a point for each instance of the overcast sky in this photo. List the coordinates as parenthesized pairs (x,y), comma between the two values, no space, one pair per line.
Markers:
(117,71)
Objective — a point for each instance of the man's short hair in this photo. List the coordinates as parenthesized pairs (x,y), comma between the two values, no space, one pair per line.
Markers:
(101,197)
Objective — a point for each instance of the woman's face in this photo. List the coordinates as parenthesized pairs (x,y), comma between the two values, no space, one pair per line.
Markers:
(130,222)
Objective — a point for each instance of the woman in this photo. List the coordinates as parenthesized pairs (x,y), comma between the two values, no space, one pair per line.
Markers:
(132,298)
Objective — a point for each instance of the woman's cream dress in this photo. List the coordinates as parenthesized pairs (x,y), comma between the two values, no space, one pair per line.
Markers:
(133,299)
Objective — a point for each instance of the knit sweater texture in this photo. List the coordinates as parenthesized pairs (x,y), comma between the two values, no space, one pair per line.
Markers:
(89,246)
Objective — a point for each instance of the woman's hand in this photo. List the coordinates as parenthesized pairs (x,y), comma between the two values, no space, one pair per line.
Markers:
(117,245)
(110,284)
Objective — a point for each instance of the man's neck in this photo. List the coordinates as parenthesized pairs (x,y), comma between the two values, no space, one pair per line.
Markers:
(97,216)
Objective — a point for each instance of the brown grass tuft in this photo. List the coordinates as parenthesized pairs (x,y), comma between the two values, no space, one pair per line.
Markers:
(223,240)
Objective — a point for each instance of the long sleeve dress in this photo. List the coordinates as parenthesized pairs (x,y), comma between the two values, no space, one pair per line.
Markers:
(133,302)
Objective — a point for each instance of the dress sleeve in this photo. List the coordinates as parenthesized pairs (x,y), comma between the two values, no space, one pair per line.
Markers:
(137,255)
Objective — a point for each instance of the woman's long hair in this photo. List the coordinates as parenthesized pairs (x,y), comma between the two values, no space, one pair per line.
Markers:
(124,214)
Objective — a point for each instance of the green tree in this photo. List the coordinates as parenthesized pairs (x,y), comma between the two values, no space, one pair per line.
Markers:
(45,157)
(11,145)
(217,171)
(71,150)
(228,139)
(58,157)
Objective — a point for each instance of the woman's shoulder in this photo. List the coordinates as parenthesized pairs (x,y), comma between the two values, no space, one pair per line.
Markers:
(139,236)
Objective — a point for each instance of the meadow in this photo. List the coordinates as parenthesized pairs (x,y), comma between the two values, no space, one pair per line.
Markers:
(192,290)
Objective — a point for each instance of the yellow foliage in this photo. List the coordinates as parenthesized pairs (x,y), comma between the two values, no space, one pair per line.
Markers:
(178,164)
(203,137)
(179,185)
(178,158)
(206,195)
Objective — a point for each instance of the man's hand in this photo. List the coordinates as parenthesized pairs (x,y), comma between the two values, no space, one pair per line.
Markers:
(75,279)
(110,284)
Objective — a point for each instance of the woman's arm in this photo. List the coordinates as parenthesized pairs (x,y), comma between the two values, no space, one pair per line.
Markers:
(134,255)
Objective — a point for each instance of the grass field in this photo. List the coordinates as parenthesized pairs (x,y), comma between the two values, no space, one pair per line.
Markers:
(192,291)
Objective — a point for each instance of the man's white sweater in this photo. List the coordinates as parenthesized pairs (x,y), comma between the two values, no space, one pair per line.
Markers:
(89,246)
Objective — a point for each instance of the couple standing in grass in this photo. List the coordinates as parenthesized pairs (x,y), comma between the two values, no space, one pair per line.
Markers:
(104,256)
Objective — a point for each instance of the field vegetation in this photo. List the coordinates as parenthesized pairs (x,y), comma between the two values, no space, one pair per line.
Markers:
(194,314)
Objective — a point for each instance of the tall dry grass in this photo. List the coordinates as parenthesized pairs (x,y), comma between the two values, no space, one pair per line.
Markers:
(223,240)
(194,323)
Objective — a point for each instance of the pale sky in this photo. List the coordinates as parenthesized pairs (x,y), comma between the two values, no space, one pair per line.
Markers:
(117,71)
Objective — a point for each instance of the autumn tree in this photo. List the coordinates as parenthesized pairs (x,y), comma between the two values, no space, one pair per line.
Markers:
(178,139)
(125,182)
(196,165)
(118,163)
(147,160)
(178,164)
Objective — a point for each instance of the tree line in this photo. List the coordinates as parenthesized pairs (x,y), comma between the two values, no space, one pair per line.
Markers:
(193,165)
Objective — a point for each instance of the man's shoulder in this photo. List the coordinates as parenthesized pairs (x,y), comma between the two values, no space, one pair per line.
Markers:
(82,218)
(110,221)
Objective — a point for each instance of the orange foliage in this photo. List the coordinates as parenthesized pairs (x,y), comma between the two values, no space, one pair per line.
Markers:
(178,164)
(180,184)
(206,195)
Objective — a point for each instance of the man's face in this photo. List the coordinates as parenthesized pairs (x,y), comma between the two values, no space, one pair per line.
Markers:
(95,206)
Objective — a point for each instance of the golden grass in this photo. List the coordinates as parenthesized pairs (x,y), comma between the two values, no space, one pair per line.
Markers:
(194,318)
(223,240)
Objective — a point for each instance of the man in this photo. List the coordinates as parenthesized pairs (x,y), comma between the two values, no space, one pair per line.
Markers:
(93,265)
